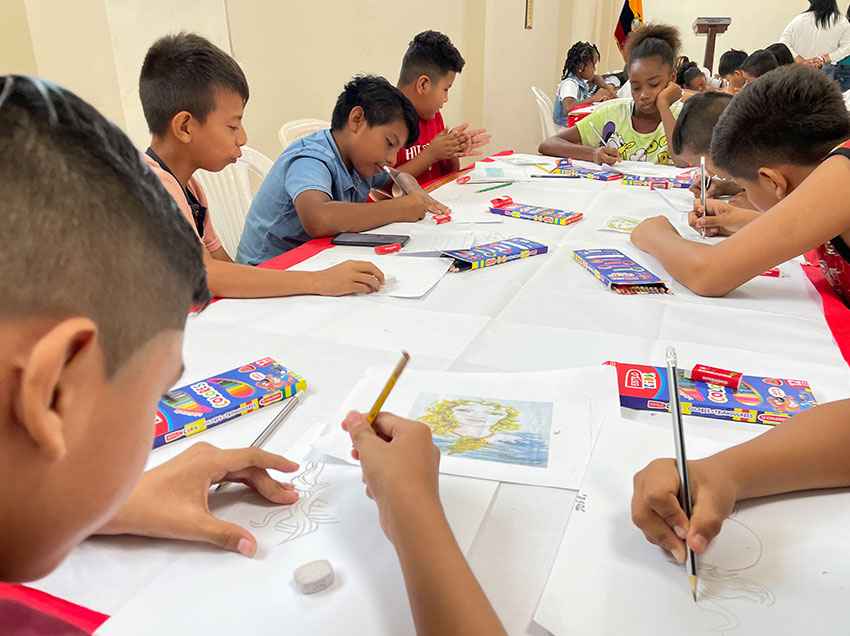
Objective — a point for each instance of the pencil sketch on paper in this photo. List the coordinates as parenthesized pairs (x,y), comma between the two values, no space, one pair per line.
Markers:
(305,515)
(488,429)
(722,580)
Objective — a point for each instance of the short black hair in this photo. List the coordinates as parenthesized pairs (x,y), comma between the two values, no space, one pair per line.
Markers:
(88,230)
(654,40)
(381,102)
(430,53)
(182,72)
(782,53)
(580,53)
(793,114)
(696,122)
(731,61)
(759,62)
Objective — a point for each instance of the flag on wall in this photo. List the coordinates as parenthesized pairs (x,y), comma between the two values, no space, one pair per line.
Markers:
(631,17)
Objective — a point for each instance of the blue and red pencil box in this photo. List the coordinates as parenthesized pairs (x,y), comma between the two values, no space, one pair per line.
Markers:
(491,254)
(191,409)
(505,206)
(758,400)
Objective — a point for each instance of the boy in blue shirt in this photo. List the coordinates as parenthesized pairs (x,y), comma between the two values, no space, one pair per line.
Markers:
(320,184)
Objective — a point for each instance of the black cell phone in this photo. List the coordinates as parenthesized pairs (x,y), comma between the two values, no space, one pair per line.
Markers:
(369,240)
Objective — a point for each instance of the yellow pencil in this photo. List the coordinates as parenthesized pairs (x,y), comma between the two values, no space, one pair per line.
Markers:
(388,387)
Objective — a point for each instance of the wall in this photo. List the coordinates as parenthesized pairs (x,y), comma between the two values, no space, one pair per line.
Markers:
(16,52)
(515,60)
(755,24)
(72,46)
(298,55)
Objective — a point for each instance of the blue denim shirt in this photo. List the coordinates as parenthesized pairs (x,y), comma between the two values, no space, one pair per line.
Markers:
(311,163)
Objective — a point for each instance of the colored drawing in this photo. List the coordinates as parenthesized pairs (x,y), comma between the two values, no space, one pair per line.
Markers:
(488,429)
(182,401)
(234,387)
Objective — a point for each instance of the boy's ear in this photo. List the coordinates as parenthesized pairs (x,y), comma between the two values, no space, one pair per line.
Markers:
(181,126)
(775,181)
(423,84)
(59,377)
(357,119)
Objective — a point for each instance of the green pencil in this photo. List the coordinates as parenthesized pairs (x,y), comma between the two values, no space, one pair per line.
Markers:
(501,185)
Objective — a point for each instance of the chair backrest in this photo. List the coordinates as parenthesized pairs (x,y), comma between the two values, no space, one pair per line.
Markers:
(544,112)
(229,194)
(298,128)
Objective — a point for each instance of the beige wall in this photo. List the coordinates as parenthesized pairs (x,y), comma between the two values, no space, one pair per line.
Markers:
(755,24)
(16,52)
(298,55)
(72,46)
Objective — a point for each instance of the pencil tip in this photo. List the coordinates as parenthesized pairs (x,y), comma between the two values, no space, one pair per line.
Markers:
(693,581)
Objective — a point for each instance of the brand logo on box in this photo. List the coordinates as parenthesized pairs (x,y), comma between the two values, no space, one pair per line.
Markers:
(637,380)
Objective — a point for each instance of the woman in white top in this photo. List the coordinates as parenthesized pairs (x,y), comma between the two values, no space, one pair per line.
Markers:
(819,35)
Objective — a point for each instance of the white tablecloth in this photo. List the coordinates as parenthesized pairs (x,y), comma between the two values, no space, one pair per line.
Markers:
(538,314)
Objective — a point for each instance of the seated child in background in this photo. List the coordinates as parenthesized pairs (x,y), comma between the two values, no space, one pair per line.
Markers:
(782,53)
(76,353)
(320,184)
(636,129)
(689,76)
(782,139)
(808,452)
(428,71)
(692,140)
(729,70)
(580,85)
(193,95)
(757,64)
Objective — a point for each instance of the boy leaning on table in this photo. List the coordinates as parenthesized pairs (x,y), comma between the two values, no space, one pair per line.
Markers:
(86,338)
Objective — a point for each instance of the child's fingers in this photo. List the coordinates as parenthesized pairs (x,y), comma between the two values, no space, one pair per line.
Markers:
(706,522)
(657,531)
(260,481)
(365,267)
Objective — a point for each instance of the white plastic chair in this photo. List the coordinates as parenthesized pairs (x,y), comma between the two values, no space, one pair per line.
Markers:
(545,110)
(229,194)
(298,128)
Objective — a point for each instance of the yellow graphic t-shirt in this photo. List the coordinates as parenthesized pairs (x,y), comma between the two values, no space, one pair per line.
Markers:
(614,122)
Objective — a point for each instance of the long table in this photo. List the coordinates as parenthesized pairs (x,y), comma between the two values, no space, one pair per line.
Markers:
(537,314)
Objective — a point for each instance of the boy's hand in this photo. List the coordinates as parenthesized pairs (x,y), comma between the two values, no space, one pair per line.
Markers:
(605,155)
(476,139)
(446,146)
(669,96)
(720,218)
(400,464)
(350,277)
(718,188)
(656,510)
(650,229)
(419,203)
(172,500)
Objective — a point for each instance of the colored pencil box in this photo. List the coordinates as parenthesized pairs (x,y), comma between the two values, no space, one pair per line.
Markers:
(619,273)
(491,254)
(655,183)
(566,168)
(191,409)
(506,207)
(758,400)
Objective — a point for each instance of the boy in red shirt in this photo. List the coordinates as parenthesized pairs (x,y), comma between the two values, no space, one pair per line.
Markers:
(427,73)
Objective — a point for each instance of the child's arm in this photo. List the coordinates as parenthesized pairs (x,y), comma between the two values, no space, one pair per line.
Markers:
(665,99)
(232,280)
(171,501)
(809,451)
(443,147)
(817,211)
(569,144)
(322,216)
(400,467)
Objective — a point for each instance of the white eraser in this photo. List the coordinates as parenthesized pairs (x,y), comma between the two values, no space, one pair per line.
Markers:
(314,577)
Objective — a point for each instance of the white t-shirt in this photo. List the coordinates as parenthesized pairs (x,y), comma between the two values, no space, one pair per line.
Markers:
(805,39)
(574,87)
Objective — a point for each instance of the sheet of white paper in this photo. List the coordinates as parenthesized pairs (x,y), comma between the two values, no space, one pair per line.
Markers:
(216,593)
(646,169)
(435,243)
(779,566)
(529,428)
(498,171)
(405,278)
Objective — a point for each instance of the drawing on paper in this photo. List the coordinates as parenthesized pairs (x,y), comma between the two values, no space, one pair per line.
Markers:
(722,580)
(622,224)
(489,429)
(305,515)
